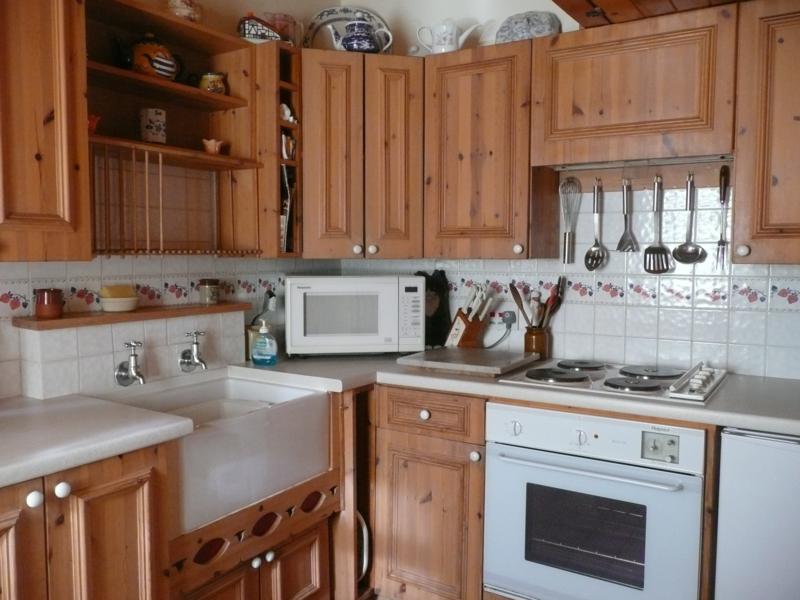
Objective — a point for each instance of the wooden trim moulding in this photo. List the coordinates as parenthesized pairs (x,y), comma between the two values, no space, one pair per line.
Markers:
(147,313)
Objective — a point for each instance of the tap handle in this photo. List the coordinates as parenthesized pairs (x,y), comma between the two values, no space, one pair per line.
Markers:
(194,334)
(132,345)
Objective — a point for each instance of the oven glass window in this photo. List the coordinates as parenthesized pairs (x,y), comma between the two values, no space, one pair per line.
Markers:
(341,314)
(591,535)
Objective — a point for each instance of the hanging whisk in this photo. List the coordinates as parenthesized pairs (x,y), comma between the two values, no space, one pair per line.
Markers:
(570,193)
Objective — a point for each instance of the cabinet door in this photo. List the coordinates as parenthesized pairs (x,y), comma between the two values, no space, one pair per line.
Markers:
(477,116)
(102,537)
(22,545)
(44,163)
(240,584)
(299,569)
(660,87)
(393,156)
(333,154)
(429,524)
(767,180)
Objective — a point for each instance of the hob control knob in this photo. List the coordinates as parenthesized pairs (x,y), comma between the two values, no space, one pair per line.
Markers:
(670,458)
(515,427)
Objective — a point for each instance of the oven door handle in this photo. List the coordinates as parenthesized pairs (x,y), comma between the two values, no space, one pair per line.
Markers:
(664,487)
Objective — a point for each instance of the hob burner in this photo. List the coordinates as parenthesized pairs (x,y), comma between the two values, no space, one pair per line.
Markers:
(557,376)
(632,384)
(650,372)
(581,365)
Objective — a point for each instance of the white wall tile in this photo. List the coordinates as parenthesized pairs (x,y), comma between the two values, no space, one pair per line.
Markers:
(609,348)
(715,355)
(11,378)
(579,318)
(60,377)
(782,362)
(58,344)
(746,359)
(710,326)
(641,350)
(155,333)
(94,341)
(747,328)
(674,324)
(96,374)
(641,322)
(32,381)
(609,320)
(126,332)
(783,329)
(673,353)
(9,341)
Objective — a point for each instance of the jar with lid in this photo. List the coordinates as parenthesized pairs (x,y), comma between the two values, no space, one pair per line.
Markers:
(49,303)
(208,290)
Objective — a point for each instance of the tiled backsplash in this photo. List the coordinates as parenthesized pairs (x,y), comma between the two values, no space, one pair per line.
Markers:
(746,318)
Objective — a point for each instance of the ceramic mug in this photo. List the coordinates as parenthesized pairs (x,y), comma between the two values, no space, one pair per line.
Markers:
(153,125)
(214,83)
(444,37)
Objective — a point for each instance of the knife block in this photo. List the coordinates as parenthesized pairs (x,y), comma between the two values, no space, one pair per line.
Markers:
(469,333)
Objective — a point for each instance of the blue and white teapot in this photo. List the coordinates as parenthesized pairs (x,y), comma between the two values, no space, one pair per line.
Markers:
(360,36)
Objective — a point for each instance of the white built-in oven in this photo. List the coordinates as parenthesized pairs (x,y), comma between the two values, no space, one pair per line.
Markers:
(354,315)
(581,507)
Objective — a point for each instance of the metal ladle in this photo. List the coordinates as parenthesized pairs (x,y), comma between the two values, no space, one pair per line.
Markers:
(689,252)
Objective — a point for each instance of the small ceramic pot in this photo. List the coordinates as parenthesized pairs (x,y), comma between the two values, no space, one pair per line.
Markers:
(153,125)
(49,303)
(214,83)
(213,146)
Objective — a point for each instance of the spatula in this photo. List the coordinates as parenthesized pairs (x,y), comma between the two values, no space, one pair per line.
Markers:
(657,259)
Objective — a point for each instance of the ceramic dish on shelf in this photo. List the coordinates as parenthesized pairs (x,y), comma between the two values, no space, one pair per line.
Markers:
(319,36)
(118,304)
(526,26)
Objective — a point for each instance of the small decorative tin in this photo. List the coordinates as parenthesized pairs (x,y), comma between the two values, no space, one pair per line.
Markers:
(153,125)
(208,289)
(214,83)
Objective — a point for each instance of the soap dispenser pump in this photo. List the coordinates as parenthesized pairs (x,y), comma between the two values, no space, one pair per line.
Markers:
(265,348)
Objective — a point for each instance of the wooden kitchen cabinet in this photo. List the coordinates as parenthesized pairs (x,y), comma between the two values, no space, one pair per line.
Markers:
(657,88)
(477,124)
(44,152)
(429,495)
(103,538)
(766,217)
(23,566)
(240,584)
(362,116)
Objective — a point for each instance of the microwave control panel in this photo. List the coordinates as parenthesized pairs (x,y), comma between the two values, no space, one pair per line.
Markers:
(411,321)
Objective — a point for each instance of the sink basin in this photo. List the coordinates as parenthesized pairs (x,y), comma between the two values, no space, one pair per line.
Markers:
(251,440)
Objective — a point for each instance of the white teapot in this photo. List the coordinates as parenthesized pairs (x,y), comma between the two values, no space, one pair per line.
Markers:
(444,37)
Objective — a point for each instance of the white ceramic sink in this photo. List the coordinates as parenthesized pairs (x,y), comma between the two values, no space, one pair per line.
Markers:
(251,440)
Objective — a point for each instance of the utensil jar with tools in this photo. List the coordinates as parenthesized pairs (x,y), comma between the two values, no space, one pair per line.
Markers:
(539,340)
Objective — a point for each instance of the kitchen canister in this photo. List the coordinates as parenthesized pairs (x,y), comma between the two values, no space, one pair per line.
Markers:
(208,290)
(153,125)
(49,303)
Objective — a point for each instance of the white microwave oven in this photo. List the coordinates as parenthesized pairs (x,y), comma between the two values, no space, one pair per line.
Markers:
(354,315)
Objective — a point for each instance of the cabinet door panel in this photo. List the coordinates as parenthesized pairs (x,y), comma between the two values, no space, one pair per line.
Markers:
(429,530)
(103,536)
(240,584)
(767,180)
(300,569)
(333,177)
(44,163)
(22,544)
(393,155)
(650,89)
(477,109)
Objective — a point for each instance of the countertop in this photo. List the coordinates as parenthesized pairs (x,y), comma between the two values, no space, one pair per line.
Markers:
(40,437)
(759,403)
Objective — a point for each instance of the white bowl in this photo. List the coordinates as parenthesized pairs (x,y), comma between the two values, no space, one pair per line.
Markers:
(118,304)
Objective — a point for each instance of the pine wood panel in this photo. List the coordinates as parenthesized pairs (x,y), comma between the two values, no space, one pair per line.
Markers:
(333,182)
(104,539)
(477,114)
(658,88)
(300,569)
(23,569)
(241,583)
(767,180)
(393,112)
(429,533)
(584,12)
(343,524)
(44,162)
(459,418)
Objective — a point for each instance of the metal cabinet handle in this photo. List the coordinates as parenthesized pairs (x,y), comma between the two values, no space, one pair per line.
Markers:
(364,545)
(34,499)
(62,490)
(424,414)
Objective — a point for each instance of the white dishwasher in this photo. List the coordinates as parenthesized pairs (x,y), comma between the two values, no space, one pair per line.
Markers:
(758,538)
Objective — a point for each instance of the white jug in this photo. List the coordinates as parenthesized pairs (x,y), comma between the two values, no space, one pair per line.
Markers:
(444,37)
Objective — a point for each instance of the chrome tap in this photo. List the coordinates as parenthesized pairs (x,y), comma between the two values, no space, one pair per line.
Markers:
(128,372)
(190,358)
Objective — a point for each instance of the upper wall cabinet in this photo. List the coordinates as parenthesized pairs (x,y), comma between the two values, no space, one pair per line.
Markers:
(477,117)
(766,210)
(657,88)
(363,143)
(44,174)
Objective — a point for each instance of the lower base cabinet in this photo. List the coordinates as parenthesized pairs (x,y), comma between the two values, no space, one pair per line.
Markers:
(429,522)
(297,570)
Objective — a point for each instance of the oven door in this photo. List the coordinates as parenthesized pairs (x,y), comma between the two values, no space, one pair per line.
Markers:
(562,527)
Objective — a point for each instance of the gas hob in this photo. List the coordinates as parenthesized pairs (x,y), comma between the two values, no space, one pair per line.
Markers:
(694,385)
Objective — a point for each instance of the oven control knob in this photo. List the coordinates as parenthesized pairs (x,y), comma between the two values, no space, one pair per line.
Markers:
(670,458)
(475,456)
(515,428)
(582,437)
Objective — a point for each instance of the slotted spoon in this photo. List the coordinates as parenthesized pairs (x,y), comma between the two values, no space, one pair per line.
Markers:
(657,259)
(597,254)
(627,243)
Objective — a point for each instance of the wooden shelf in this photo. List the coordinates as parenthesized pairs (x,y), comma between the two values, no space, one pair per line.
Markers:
(158,88)
(287,124)
(181,157)
(285,85)
(146,313)
(289,163)
(133,16)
